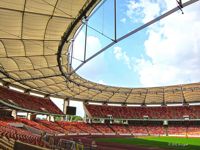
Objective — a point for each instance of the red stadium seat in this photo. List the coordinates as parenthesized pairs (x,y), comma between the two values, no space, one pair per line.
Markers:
(166,112)
(28,101)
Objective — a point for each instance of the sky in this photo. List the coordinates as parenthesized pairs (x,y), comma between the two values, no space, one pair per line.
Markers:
(165,53)
(167,50)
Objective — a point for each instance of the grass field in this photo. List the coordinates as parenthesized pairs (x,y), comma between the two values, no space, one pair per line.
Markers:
(175,143)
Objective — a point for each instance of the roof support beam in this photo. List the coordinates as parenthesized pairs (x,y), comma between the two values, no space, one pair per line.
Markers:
(38,78)
(35,13)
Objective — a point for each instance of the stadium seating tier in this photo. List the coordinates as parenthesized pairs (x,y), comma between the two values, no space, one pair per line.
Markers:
(162,112)
(28,101)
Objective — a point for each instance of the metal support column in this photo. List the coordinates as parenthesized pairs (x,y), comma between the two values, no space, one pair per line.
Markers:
(65,104)
(71,55)
(115,20)
(85,49)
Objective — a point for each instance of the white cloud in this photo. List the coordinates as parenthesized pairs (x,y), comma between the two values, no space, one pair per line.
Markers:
(93,45)
(162,74)
(122,55)
(173,47)
(143,10)
(123,20)
(91,68)
(101,82)
(118,53)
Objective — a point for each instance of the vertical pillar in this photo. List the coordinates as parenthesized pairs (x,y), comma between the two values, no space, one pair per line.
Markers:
(65,104)
(48,117)
(52,118)
(14,113)
(31,116)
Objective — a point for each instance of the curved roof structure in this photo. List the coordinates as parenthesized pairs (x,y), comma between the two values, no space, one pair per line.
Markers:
(34,56)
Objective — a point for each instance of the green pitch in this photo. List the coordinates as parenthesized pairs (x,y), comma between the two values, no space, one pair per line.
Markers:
(175,143)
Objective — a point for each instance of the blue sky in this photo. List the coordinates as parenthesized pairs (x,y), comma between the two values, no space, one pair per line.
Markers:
(166,50)
(165,53)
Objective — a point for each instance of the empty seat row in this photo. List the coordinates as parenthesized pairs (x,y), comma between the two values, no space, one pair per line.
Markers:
(19,134)
(162,112)
(28,101)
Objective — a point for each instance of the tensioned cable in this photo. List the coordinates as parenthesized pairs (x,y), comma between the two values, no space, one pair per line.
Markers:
(99,32)
(58,8)
(32,40)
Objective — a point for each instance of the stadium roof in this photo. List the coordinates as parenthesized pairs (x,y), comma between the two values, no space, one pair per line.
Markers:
(33,55)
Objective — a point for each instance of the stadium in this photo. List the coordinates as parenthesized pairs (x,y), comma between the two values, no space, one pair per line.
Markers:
(37,64)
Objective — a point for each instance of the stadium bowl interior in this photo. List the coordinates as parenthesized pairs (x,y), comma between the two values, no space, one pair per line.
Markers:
(35,36)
